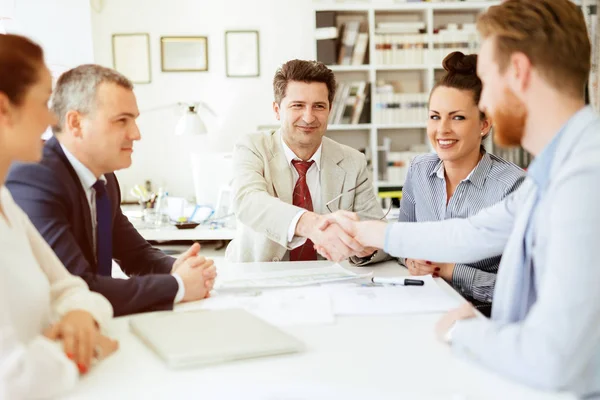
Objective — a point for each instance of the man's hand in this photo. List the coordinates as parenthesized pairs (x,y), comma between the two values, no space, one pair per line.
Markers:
(191,252)
(368,233)
(345,219)
(349,222)
(198,275)
(339,244)
(465,311)
(336,242)
(80,334)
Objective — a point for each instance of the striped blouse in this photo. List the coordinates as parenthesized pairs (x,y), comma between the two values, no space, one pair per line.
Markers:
(424,199)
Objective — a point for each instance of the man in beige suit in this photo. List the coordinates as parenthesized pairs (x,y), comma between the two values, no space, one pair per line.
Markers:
(285,181)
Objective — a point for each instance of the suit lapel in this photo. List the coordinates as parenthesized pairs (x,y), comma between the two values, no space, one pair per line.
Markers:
(280,170)
(54,144)
(332,175)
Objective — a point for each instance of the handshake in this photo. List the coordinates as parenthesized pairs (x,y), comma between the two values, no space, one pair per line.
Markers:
(341,235)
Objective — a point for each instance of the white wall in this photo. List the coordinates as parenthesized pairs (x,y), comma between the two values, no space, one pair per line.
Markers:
(62,27)
(286,32)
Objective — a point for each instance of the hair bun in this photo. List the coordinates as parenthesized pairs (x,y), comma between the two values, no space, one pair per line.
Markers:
(458,63)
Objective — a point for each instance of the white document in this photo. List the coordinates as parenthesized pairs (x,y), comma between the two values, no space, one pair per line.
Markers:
(382,300)
(287,278)
(281,307)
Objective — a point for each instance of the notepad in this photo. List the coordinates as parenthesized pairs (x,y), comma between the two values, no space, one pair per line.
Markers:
(198,338)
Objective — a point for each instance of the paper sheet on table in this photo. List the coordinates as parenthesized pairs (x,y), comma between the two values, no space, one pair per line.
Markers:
(282,307)
(288,278)
(381,300)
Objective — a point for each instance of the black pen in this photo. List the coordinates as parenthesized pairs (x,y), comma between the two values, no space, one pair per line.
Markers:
(397,281)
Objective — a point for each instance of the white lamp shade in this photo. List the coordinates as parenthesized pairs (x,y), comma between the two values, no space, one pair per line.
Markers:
(190,124)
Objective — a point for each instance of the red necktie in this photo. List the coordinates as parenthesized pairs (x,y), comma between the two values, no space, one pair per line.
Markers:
(302,198)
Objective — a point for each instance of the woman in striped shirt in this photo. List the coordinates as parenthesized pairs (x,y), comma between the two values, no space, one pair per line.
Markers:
(461,178)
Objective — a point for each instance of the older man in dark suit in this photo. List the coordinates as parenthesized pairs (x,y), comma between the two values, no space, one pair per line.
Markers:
(73,198)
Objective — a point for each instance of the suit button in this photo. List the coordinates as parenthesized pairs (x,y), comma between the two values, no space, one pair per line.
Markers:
(276,259)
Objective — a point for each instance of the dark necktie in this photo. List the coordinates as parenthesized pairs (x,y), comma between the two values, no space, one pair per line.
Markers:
(103,229)
(302,198)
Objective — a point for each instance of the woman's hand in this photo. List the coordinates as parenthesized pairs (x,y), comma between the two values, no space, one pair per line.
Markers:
(423,267)
(105,347)
(420,267)
(80,335)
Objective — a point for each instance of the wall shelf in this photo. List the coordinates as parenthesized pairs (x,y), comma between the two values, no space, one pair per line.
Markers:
(415,76)
(349,127)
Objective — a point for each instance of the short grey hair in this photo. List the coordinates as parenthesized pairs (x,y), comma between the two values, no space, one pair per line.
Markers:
(76,90)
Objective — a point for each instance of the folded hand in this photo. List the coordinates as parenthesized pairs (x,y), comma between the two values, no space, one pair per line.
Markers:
(79,334)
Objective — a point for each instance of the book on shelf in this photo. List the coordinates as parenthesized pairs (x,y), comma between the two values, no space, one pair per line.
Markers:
(516,155)
(327,37)
(399,27)
(359,104)
(406,107)
(344,43)
(349,36)
(397,49)
(349,104)
(360,49)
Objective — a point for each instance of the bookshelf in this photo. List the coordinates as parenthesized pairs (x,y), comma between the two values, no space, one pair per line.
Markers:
(401,79)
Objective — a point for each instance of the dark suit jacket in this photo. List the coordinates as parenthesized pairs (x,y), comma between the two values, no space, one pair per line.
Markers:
(52,196)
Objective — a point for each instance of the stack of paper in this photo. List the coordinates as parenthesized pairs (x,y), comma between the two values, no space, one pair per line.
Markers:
(287,278)
(298,306)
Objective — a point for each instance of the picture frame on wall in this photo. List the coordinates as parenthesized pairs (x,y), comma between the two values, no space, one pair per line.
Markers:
(184,53)
(131,56)
(242,54)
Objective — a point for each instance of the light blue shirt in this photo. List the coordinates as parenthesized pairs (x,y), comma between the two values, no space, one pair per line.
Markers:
(545,327)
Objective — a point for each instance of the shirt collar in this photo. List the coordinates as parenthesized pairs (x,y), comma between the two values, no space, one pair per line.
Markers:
(290,155)
(87,177)
(539,169)
(476,177)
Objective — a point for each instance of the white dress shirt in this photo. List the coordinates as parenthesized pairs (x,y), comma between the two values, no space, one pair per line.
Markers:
(313,180)
(88,179)
(545,326)
(36,290)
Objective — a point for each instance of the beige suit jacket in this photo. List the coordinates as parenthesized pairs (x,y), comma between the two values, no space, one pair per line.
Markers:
(263,187)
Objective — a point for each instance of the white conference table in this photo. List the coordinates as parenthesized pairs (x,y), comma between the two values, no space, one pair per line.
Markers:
(368,357)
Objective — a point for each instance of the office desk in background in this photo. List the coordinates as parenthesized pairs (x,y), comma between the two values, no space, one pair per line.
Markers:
(168,233)
(374,357)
